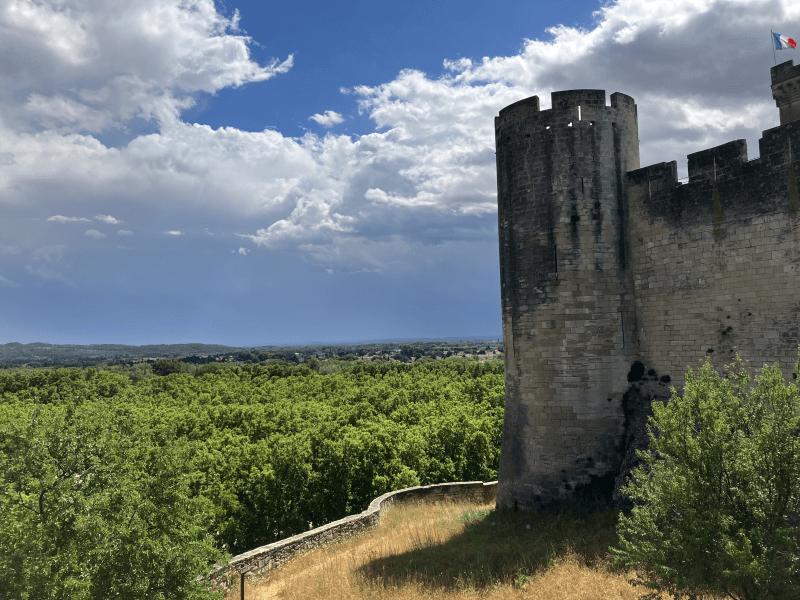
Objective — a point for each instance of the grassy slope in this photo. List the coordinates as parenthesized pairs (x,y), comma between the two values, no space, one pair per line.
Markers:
(455,550)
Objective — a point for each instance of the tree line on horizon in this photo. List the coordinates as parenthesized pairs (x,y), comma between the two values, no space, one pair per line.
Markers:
(15,355)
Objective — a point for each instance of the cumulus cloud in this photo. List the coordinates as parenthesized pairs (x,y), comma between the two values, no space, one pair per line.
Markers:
(312,215)
(172,233)
(62,219)
(124,232)
(72,69)
(108,219)
(95,234)
(7,282)
(242,251)
(328,119)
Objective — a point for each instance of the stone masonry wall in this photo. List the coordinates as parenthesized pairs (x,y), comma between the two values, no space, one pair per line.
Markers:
(258,562)
(565,291)
(718,275)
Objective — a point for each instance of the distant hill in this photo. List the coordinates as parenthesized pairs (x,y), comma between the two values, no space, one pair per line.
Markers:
(43,353)
(14,351)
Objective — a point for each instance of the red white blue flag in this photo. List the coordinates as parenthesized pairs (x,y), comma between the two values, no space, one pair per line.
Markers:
(781,41)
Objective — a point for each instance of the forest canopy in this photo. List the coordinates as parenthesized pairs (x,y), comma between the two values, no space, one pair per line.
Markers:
(177,471)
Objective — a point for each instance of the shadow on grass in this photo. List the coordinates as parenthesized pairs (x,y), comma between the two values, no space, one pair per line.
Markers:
(500,547)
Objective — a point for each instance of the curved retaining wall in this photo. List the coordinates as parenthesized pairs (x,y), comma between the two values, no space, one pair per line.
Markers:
(273,556)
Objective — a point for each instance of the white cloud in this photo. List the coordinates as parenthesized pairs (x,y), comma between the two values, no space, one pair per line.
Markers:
(73,68)
(328,119)
(124,232)
(108,219)
(95,234)
(49,253)
(6,250)
(49,275)
(60,33)
(7,282)
(62,219)
(243,251)
(312,215)
(172,233)
(63,114)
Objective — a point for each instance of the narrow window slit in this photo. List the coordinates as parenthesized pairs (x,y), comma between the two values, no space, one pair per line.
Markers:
(555,258)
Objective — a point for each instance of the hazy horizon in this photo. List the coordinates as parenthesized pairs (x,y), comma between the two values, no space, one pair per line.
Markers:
(289,344)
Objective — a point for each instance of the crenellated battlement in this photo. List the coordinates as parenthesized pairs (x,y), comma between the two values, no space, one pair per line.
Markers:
(569,108)
(720,161)
(745,188)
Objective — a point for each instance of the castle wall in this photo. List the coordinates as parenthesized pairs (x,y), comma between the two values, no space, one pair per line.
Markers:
(605,266)
(714,281)
(566,291)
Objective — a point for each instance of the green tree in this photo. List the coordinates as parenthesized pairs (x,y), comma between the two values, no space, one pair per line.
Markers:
(94,504)
(166,366)
(719,491)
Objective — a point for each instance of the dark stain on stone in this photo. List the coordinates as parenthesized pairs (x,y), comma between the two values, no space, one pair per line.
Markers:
(636,372)
(637,405)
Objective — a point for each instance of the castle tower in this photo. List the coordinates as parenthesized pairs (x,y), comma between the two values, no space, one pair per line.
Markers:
(567,296)
(786,90)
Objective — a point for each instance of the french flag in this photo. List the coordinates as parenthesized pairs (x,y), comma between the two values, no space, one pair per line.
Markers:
(781,41)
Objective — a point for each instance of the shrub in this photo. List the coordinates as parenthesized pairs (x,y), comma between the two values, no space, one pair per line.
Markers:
(720,487)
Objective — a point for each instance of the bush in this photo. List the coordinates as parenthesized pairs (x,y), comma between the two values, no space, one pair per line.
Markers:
(716,498)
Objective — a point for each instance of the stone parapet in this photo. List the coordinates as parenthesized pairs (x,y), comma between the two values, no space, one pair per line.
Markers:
(261,560)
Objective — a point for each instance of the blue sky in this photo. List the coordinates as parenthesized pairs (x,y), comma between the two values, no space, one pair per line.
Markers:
(254,173)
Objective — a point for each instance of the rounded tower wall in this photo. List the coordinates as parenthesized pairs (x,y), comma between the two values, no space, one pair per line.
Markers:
(565,290)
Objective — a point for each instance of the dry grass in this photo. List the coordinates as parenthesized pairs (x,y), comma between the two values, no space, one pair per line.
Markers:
(448,550)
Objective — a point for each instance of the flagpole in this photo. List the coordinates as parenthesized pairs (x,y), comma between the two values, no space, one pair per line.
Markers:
(772,35)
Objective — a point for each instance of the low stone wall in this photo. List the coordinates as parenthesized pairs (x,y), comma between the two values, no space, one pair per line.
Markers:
(272,556)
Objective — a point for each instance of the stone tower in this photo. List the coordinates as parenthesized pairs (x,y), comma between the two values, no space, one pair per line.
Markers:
(567,294)
(786,90)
